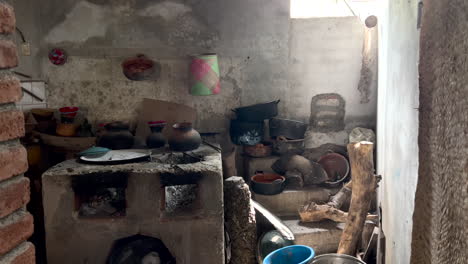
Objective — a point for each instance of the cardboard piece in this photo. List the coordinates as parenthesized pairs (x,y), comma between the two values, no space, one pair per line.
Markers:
(155,110)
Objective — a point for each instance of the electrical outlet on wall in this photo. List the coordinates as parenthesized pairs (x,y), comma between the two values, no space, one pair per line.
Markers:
(26,49)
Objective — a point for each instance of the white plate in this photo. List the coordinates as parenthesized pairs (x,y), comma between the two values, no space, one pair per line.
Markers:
(117,156)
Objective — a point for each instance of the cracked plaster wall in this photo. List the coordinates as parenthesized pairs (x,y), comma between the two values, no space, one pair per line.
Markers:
(397,126)
(264,55)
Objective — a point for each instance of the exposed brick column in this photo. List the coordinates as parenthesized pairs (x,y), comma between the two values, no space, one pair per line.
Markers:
(16,224)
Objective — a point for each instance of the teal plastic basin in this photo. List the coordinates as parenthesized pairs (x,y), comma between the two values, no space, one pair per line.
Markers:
(296,254)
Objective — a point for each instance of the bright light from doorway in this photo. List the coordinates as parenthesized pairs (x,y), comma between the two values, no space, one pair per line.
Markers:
(319,8)
(331,8)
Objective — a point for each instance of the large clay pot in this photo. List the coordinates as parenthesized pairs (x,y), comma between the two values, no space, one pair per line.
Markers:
(184,137)
(141,68)
(117,136)
(66,130)
(336,166)
(156,139)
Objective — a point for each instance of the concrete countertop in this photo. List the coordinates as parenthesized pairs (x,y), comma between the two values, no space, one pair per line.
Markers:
(211,162)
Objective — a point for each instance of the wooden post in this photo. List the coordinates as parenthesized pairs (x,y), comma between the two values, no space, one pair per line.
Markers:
(364,182)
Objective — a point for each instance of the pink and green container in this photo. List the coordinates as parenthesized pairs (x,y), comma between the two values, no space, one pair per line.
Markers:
(204,74)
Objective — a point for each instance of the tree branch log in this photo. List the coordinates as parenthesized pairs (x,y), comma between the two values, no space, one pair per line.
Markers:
(313,212)
(364,184)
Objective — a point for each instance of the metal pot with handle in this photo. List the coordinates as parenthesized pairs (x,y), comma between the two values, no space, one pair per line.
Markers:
(257,112)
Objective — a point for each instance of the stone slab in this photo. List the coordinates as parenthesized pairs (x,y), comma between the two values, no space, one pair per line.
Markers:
(323,237)
(314,139)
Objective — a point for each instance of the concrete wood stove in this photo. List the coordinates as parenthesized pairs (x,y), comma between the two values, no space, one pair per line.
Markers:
(175,198)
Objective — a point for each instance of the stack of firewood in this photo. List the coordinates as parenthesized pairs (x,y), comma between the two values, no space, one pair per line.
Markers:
(359,192)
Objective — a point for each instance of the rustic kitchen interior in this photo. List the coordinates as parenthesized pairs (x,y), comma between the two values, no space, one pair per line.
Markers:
(197,131)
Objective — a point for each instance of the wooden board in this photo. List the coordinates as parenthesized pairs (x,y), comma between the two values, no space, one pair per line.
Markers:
(155,110)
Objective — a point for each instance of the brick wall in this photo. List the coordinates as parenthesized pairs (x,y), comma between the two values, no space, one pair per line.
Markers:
(16,224)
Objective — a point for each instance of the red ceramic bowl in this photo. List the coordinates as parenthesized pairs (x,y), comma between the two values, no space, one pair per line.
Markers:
(157,123)
(69,111)
(267,183)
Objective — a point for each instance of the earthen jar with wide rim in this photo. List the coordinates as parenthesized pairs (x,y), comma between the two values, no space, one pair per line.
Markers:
(117,136)
(184,138)
(156,139)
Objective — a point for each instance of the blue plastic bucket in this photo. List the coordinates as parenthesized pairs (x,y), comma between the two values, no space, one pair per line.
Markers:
(296,254)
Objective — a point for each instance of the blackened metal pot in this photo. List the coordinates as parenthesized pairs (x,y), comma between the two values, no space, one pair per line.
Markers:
(117,136)
(156,139)
(257,112)
(246,133)
(290,129)
(283,145)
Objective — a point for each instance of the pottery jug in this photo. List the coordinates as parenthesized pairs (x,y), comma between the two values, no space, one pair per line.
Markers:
(184,137)
(156,139)
(117,136)
(141,68)
(66,130)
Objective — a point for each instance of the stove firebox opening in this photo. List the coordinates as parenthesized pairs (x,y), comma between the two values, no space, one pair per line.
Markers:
(180,195)
(100,195)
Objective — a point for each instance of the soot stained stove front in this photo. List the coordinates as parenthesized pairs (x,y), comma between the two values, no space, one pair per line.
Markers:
(175,198)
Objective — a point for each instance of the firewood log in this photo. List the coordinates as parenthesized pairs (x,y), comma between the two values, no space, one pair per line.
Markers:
(313,212)
(364,183)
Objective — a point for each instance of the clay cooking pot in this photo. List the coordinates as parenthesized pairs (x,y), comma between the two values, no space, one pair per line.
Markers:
(66,130)
(117,136)
(336,166)
(267,183)
(156,139)
(184,138)
(140,68)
